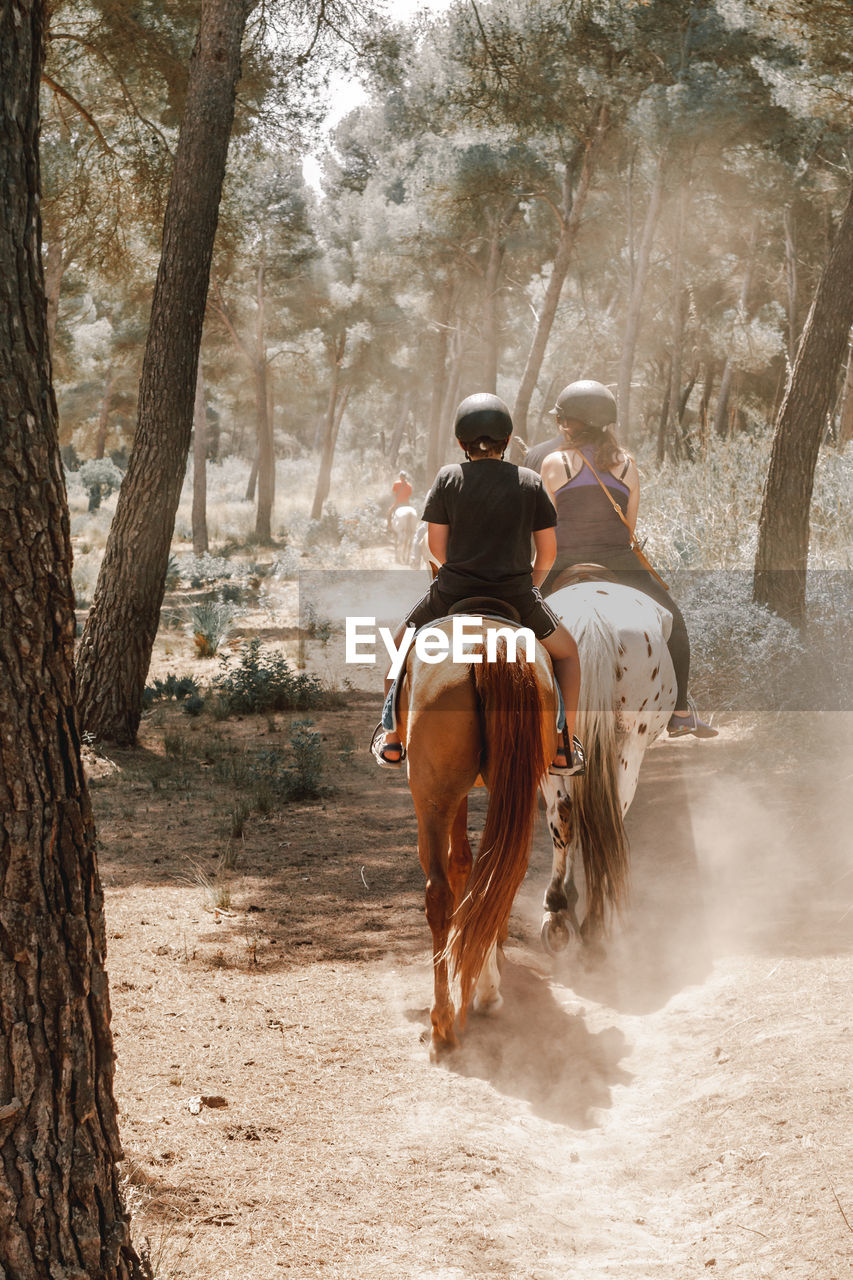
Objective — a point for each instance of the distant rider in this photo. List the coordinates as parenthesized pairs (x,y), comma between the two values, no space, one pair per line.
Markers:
(402,491)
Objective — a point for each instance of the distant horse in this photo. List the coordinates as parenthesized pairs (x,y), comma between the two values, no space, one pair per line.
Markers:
(495,721)
(404,521)
(627,696)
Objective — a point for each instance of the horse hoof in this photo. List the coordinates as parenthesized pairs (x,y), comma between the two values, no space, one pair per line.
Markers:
(555,934)
(488,1006)
(439,1048)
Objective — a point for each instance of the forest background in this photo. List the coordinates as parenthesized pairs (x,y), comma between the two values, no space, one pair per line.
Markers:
(646,193)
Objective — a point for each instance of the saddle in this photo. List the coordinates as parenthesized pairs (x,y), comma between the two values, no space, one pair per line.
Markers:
(576,573)
(488,607)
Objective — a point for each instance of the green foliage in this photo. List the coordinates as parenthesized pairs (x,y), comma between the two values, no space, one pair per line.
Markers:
(327,531)
(264,681)
(209,625)
(174,688)
(100,477)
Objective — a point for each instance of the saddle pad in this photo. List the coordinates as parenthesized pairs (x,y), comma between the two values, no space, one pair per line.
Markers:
(389,708)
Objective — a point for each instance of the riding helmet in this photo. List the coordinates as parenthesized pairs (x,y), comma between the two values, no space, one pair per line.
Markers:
(588,402)
(483,415)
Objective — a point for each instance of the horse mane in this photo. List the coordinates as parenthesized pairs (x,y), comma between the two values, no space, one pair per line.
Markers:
(516,758)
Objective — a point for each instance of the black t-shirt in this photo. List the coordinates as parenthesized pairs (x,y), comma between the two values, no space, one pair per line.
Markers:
(537,455)
(492,508)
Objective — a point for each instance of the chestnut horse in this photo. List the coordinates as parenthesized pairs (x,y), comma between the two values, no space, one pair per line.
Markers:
(493,722)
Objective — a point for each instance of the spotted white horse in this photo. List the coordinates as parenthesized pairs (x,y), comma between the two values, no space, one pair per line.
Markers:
(404,522)
(627,696)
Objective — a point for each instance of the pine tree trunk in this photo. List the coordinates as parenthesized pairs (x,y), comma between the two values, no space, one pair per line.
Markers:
(324,475)
(397,436)
(199,513)
(104,415)
(783,528)
(721,416)
(791,281)
(116,647)
(573,207)
(61,1210)
(438,381)
(491,284)
(845,425)
(680,301)
(635,302)
(54,269)
(266,447)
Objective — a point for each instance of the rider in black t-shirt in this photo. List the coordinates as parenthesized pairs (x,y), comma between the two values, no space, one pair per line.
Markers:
(481,515)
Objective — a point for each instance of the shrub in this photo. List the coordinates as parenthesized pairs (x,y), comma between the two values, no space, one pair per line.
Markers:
(173,688)
(209,625)
(327,530)
(99,476)
(307,748)
(264,681)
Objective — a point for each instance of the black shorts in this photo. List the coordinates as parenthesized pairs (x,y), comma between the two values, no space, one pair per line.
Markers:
(534,612)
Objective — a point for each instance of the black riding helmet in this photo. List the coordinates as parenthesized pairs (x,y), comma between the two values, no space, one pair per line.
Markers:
(482,415)
(586,401)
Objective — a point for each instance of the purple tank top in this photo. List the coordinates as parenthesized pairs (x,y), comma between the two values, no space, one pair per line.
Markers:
(586,522)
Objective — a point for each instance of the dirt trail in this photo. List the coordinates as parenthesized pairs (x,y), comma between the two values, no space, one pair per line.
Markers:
(682,1111)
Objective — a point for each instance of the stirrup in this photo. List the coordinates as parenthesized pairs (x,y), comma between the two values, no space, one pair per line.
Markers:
(682,726)
(377,747)
(576,757)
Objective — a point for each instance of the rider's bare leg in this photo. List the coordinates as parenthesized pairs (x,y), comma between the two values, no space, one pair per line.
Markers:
(561,647)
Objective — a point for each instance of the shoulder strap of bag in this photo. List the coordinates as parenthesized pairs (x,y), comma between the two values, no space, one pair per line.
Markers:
(635,546)
(569,475)
(614,504)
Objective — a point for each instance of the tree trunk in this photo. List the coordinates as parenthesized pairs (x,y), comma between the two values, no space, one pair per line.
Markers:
(251,483)
(640,274)
(104,416)
(845,424)
(199,515)
(707,392)
(438,380)
(783,528)
(116,647)
(450,401)
(397,436)
(330,433)
(61,1209)
(721,416)
(54,269)
(491,283)
(573,206)
(672,436)
(791,280)
(266,446)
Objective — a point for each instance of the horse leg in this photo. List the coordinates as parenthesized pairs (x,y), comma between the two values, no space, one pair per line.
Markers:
(559,922)
(461,857)
(433,849)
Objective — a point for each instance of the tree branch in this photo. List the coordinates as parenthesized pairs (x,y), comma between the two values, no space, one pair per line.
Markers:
(80,109)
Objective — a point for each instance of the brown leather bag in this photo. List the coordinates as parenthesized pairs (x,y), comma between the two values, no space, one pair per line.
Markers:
(635,546)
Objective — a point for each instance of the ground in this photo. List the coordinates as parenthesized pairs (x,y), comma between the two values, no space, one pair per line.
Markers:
(680,1111)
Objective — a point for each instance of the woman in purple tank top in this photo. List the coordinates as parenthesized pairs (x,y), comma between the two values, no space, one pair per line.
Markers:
(589,530)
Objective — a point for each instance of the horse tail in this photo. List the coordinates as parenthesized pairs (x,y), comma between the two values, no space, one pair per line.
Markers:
(516,756)
(598,827)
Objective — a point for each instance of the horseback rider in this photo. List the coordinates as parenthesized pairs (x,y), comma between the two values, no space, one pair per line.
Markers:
(481,515)
(402,491)
(590,530)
